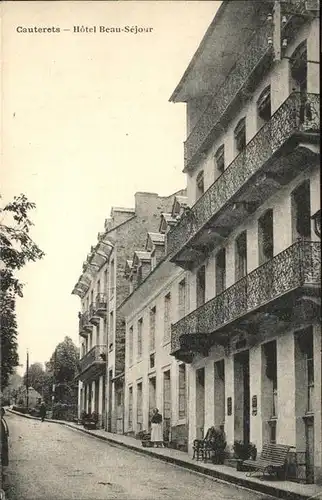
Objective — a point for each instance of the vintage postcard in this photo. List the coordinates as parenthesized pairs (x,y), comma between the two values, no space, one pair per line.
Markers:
(160,250)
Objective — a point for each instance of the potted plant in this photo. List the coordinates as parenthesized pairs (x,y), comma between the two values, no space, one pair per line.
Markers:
(241,450)
(89,421)
(145,438)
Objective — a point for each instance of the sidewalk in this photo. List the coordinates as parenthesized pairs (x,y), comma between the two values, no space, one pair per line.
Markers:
(280,489)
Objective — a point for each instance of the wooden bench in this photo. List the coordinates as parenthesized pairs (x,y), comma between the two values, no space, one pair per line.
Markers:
(272,459)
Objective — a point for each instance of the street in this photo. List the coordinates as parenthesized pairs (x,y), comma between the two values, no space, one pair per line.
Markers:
(53,462)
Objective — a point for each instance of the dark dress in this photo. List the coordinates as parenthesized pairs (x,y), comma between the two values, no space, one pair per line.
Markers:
(42,412)
(4,443)
(156,419)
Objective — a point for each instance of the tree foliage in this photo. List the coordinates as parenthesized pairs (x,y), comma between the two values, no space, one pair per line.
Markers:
(37,377)
(64,361)
(17,249)
(63,367)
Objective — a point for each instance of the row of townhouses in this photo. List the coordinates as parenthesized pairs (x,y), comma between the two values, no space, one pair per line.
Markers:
(206,303)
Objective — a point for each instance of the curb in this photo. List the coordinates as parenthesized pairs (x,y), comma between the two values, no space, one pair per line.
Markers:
(195,467)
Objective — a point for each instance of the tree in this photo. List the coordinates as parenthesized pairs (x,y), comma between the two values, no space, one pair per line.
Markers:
(36,377)
(64,361)
(10,393)
(17,249)
(63,366)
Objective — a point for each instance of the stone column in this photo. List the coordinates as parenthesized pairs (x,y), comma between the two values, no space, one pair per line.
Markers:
(92,388)
(209,394)
(229,393)
(87,395)
(286,424)
(192,406)
(100,400)
(80,403)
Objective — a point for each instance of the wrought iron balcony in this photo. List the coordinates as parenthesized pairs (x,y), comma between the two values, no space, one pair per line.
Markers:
(94,317)
(275,155)
(93,363)
(257,51)
(294,271)
(101,305)
(249,68)
(84,325)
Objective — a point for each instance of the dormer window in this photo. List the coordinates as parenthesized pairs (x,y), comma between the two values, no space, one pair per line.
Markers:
(264,109)
(240,135)
(220,159)
(200,185)
(298,66)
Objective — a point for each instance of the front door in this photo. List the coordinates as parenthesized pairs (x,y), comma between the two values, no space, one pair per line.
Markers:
(104,402)
(166,402)
(242,397)
(309,441)
(110,400)
(200,403)
(96,405)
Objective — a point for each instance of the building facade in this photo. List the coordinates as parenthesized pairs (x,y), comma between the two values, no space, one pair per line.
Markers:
(153,378)
(102,287)
(250,242)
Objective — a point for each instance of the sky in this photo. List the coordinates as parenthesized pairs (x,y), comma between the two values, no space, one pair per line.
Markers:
(86,123)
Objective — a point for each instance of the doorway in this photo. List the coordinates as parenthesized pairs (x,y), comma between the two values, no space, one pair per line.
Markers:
(139,407)
(110,400)
(242,397)
(104,402)
(152,395)
(309,449)
(166,403)
(219,388)
(96,399)
(200,403)
(119,408)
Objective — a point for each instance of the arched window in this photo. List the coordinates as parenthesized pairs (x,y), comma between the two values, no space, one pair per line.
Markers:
(264,109)
(298,68)
(200,186)
(220,159)
(240,135)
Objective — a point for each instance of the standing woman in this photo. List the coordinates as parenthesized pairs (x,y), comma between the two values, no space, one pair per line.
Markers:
(156,429)
(42,411)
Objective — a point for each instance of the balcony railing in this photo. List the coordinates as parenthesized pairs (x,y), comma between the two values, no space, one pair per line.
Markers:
(101,304)
(298,114)
(258,51)
(96,355)
(84,325)
(298,265)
